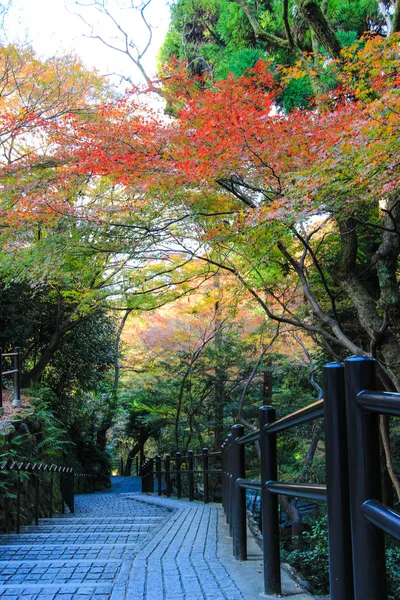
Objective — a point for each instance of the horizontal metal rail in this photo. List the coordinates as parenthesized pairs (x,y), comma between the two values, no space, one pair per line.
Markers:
(187,471)
(304,415)
(249,484)
(383,403)
(249,438)
(11,465)
(10,372)
(66,483)
(383,517)
(315,491)
(9,354)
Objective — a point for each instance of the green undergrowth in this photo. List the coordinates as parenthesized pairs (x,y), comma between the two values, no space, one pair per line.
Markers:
(36,436)
(308,554)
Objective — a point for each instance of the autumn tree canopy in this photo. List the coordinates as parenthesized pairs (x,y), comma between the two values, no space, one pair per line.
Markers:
(300,207)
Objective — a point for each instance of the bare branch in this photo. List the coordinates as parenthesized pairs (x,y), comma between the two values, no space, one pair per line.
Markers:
(239,417)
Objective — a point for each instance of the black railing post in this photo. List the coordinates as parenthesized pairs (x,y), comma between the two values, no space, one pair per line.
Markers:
(36,498)
(143,476)
(269,503)
(223,475)
(151,475)
(205,476)
(190,476)
(228,480)
(51,494)
(121,466)
(239,496)
(137,465)
(178,475)
(72,492)
(1,384)
(63,492)
(365,482)
(168,475)
(337,482)
(18,524)
(16,395)
(159,477)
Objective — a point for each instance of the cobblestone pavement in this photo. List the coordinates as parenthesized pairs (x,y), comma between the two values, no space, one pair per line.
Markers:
(118,545)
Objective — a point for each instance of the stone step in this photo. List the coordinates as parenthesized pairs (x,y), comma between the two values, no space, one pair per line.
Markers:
(70,551)
(67,519)
(88,528)
(50,591)
(61,539)
(59,572)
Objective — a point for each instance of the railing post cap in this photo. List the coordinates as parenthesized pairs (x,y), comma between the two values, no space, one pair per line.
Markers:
(355,359)
(190,451)
(334,365)
(205,449)
(266,408)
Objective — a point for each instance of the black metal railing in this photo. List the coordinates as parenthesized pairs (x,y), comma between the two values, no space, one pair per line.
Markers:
(193,469)
(66,486)
(369,517)
(356,516)
(15,371)
(66,482)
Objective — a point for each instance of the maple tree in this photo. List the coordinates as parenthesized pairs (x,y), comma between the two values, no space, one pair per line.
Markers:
(246,185)
(301,208)
(173,362)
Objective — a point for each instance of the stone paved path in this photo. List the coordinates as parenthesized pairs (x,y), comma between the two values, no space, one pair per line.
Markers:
(118,545)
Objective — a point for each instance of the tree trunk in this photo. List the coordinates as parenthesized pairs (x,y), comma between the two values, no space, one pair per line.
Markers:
(219,399)
(138,447)
(36,373)
(396,18)
(293,514)
(117,367)
(318,24)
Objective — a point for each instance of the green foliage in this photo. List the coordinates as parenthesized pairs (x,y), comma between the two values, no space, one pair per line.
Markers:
(393,571)
(238,62)
(355,15)
(297,94)
(309,555)
(217,36)
(82,361)
(25,316)
(310,558)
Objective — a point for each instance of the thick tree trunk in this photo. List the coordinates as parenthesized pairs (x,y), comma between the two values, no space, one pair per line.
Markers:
(293,514)
(117,367)
(396,18)
(35,374)
(137,448)
(319,25)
